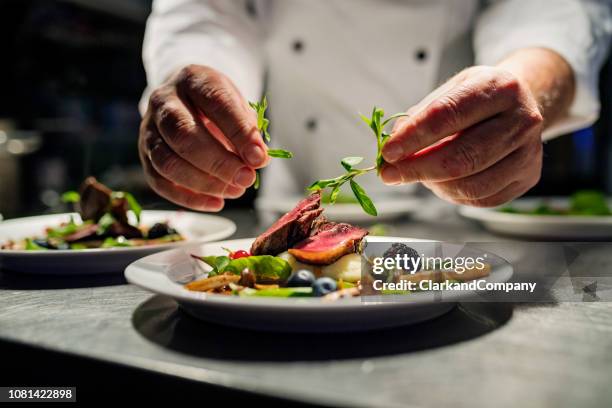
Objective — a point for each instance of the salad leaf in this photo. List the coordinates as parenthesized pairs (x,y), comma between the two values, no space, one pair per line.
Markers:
(264,267)
(71,197)
(278,292)
(589,202)
(30,245)
(120,241)
(104,223)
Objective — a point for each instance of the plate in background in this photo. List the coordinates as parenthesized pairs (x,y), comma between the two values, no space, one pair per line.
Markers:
(553,227)
(196,228)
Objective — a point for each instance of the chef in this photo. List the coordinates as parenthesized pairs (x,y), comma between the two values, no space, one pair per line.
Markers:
(483,82)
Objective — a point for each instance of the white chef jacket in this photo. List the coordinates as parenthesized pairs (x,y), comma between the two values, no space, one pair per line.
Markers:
(322,62)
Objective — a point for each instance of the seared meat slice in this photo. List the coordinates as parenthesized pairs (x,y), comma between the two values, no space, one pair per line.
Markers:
(95,199)
(126,230)
(290,228)
(331,242)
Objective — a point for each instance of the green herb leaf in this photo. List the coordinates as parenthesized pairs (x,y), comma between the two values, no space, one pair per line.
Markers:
(120,241)
(321,184)
(280,153)
(334,195)
(349,162)
(30,245)
(262,122)
(104,223)
(71,197)
(365,201)
(257,181)
(266,268)
(279,292)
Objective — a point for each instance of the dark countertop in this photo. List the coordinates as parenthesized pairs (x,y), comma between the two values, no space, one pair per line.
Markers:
(479,354)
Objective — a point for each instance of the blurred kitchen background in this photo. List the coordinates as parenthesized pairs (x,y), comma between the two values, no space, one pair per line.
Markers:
(70,79)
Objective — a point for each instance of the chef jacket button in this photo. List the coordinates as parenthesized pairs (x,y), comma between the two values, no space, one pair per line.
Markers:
(421,54)
(311,124)
(298,46)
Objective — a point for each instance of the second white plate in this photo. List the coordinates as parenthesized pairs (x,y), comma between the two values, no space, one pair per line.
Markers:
(554,227)
(195,227)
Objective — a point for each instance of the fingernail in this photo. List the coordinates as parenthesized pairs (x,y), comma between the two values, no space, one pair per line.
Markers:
(245,177)
(254,155)
(391,175)
(392,152)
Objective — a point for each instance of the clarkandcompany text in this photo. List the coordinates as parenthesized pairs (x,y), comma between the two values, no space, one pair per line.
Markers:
(475,285)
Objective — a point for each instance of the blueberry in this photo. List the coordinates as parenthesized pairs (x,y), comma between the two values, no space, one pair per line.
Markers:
(323,286)
(159,230)
(301,278)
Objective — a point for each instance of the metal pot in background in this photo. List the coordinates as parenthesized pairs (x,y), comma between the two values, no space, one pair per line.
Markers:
(14,144)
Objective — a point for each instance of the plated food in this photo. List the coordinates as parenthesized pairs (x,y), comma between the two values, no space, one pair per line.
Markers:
(581,203)
(106,219)
(583,216)
(303,254)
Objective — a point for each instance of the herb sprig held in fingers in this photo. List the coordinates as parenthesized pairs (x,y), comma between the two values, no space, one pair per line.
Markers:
(262,125)
(377,123)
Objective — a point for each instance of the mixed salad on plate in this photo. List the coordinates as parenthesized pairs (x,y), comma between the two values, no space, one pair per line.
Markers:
(303,254)
(581,203)
(106,219)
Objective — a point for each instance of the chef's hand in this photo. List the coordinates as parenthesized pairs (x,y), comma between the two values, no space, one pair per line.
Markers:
(199,142)
(476,140)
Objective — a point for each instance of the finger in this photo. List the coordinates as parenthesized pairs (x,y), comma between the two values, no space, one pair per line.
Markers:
(219,100)
(522,164)
(191,140)
(180,195)
(469,152)
(467,103)
(511,192)
(179,171)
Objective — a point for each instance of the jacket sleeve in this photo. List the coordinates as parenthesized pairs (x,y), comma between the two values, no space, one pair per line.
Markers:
(578,30)
(223,34)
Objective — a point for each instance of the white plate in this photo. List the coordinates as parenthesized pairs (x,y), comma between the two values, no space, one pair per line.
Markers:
(541,226)
(196,228)
(388,208)
(166,272)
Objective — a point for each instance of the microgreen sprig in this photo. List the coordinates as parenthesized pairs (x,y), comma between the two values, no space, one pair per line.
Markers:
(377,123)
(262,125)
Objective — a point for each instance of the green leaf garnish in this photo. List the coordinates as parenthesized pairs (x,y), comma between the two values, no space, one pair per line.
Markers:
(264,267)
(262,121)
(349,162)
(120,241)
(262,125)
(280,153)
(71,197)
(104,223)
(365,201)
(377,124)
(30,245)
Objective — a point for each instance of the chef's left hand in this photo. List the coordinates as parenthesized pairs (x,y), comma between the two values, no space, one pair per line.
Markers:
(476,140)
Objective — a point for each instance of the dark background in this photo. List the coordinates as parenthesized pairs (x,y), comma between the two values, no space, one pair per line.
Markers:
(71,72)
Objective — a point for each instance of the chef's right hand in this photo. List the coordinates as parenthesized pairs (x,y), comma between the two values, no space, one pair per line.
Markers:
(199,143)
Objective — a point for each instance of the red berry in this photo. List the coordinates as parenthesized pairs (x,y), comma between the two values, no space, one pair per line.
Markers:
(239,254)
